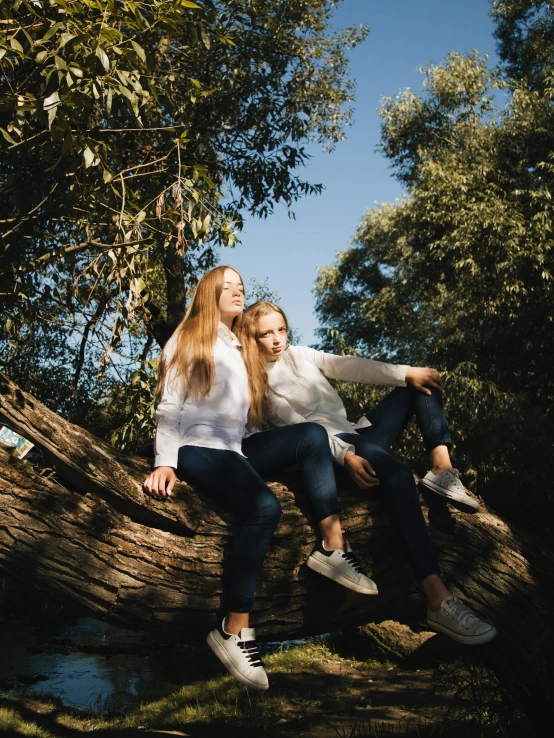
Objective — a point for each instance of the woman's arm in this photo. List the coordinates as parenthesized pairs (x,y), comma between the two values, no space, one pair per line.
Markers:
(168,416)
(166,441)
(161,482)
(354,368)
(422,378)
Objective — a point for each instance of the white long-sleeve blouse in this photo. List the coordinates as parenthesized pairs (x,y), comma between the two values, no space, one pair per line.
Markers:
(300,393)
(215,421)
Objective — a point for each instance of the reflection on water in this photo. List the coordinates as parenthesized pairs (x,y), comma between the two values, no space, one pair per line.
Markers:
(90,664)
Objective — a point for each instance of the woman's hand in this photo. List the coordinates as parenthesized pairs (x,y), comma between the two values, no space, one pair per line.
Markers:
(422,378)
(361,471)
(161,482)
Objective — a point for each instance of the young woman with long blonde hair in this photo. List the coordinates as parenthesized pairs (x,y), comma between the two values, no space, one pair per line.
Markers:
(208,399)
(298,391)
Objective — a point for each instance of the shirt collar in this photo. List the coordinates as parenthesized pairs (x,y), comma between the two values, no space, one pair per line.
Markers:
(223,333)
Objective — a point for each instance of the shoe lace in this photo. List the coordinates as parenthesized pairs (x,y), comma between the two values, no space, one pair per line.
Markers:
(251,652)
(459,612)
(455,474)
(353,561)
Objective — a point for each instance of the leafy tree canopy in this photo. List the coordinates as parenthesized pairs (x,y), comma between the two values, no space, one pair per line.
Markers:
(458,274)
(525,33)
(135,134)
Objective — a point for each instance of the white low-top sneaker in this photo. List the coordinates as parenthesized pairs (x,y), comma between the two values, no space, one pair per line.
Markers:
(457,621)
(239,655)
(448,484)
(343,567)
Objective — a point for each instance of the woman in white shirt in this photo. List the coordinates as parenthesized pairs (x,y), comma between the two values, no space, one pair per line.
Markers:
(208,399)
(298,392)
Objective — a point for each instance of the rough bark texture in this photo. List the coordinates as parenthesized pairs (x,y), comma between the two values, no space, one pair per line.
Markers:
(89,534)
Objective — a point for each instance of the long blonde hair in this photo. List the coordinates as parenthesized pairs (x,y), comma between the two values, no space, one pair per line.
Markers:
(192,359)
(255,362)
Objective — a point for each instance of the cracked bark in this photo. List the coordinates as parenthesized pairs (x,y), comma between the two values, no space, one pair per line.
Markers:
(90,535)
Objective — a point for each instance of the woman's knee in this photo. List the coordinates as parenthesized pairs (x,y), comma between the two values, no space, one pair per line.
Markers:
(400,480)
(314,434)
(267,511)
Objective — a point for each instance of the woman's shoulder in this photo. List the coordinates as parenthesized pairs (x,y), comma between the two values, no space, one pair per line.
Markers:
(301,353)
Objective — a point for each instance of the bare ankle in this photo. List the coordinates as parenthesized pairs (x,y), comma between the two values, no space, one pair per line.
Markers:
(333,544)
(439,468)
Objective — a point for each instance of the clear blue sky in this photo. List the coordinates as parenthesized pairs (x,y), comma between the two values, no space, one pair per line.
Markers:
(404,35)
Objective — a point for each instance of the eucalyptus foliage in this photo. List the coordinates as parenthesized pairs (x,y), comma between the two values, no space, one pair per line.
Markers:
(134,135)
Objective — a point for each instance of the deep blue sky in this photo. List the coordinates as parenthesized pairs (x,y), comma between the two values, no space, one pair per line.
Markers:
(404,35)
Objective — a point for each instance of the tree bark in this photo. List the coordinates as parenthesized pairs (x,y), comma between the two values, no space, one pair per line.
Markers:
(87,533)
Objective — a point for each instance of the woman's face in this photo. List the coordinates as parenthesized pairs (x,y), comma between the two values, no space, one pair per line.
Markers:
(231,302)
(272,335)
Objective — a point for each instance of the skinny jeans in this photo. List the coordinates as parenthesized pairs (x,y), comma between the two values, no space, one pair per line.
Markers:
(388,419)
(236,483)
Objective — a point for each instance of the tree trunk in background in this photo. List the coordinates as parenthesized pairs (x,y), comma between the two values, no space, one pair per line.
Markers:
(87,533)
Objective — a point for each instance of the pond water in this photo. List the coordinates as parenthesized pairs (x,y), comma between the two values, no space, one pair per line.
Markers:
(90,664)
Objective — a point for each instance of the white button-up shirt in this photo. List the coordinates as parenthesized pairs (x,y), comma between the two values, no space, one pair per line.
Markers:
(300,393)
(215,421)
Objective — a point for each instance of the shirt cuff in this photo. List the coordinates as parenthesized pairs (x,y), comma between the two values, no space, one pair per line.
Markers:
(402,371)
(339,458)
(165,460)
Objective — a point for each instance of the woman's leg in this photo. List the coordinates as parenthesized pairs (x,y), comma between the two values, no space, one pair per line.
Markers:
(229,479)
(390,416)
(307,444)
(397,482)
(444,612)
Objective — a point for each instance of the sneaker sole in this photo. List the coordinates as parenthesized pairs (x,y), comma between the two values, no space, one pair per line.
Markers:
(221,654)
(328,571)
(467,640)
(461,502)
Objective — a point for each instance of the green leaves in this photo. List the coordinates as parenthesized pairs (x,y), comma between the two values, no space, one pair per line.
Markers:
(452,275)
(54,28)
(7,136)
(139,50)
(126,126)
(15,45)
(51,106)
(104,59)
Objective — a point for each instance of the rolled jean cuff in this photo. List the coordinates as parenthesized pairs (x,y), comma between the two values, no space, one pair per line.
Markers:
(445,441)
(424,573)
(240,603)
(324,511)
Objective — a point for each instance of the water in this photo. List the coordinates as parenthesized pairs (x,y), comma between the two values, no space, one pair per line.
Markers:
(89,664)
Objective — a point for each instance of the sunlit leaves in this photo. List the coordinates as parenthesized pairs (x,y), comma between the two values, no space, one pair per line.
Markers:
(134,136)
(457,274)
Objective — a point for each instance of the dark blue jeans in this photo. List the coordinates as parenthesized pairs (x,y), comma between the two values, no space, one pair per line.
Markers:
(236,483)
(388,419)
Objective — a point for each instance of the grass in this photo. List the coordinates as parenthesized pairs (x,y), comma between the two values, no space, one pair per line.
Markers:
(310,682)
(11,723)
(220,702)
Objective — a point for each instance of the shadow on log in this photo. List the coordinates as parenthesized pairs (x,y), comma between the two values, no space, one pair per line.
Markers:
(90,535)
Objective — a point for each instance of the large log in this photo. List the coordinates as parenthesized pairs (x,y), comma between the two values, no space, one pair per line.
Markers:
(89,534)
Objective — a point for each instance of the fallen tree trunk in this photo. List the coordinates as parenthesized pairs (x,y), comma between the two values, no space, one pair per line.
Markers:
(89,534)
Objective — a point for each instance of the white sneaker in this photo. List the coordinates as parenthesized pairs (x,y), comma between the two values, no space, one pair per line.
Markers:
(458,622)
(447,484)
(343,567)
(239,655)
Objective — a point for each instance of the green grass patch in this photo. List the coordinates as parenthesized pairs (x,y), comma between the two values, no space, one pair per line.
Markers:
(11,723)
